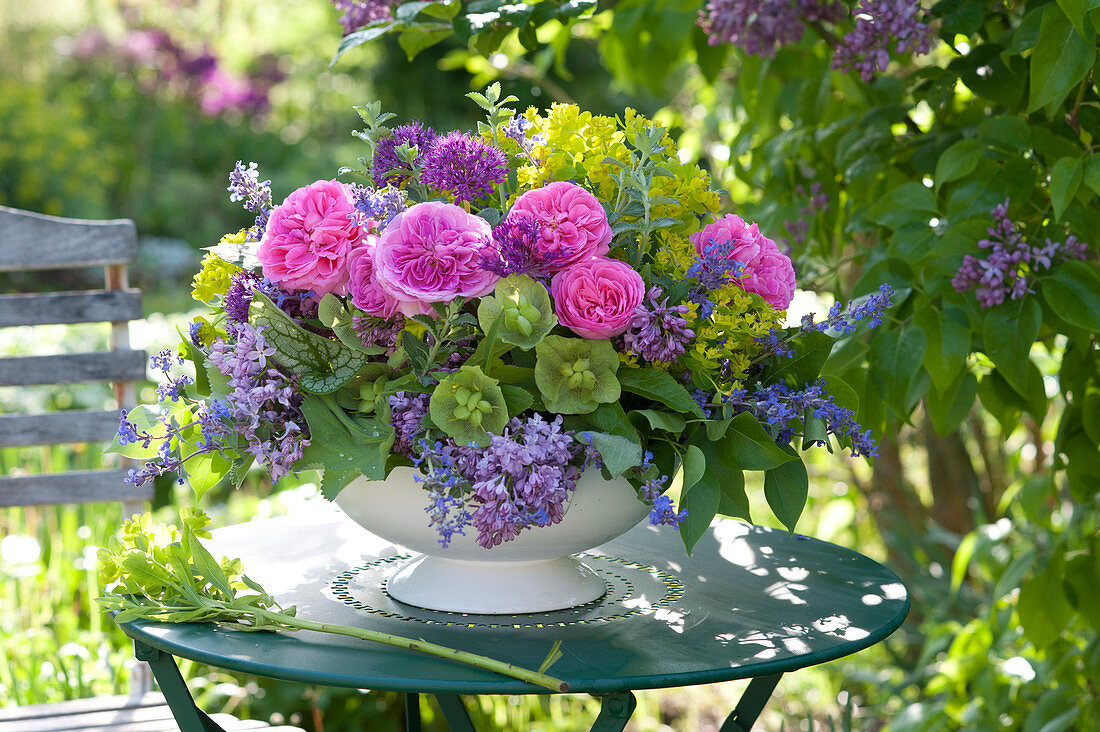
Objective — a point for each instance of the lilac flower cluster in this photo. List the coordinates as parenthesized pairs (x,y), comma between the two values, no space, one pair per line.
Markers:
(880,24)
(846,321)
(784,410)
(464,166)
(658,332)
(1010,266)
(762,26)
(386,158)
(816,202)
(378,206)
(521,480)
(359,13)
(407,410)
(245,186)
(516,249)
(264,404)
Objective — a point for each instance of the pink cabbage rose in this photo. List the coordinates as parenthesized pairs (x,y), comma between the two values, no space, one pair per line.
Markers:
(574,225)
(431,253)
(308,239)
(768,272)
(597,298)
(367,294)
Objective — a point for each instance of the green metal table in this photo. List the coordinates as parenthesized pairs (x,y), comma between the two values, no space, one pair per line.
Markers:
(750,603)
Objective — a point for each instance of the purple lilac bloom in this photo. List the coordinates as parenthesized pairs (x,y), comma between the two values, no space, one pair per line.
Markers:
(880,23)
(358,13)
(413,134)
(407,410)
(762,26)
(658,332)
(245,186)
(264,404)
(846,321)
(464,166)
(1011,264)
(516,249)
(523,478)
(378,205)
(783,409)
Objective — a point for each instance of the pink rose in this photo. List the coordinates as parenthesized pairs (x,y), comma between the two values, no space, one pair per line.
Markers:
(431,253)
(596,299)
(768,272)
(308,238)
(367,294)
(574,225)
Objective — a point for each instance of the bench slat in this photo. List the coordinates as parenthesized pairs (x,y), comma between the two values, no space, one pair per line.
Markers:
(81,706)
(34,241)
(58,428)
(77,486)
(95,306)
(73,368)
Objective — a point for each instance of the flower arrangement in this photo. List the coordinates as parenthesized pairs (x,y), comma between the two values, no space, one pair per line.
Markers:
(504,310)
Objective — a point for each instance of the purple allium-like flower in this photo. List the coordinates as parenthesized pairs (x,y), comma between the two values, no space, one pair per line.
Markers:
(358,13)
(658,332)
(1011,264)
(464,166)
(880,24)
(413,134)
(245,186)
(516,249)
(239,296)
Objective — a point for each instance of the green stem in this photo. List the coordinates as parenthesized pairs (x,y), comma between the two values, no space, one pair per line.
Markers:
(432,649)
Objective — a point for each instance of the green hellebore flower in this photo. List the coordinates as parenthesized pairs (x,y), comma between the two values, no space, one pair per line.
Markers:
(468,405)
(576,375)
(526,307)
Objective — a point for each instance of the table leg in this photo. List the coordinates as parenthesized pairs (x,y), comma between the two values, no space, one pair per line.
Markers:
(615,711)
(454,711)
(751,704)
(188,716)
(412,711)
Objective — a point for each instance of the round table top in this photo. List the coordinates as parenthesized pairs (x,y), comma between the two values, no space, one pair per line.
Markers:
(748,602)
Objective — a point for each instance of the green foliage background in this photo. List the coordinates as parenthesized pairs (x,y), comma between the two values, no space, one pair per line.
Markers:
(985,498)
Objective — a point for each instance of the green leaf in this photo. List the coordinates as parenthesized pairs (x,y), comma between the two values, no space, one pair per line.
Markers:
(1001,401)
(344,451)
(1044,610)
(748,445)
(947,409)
(1073,293)
(1061,59)
(811,352)
(359,37)
(1076,11)
(323,366)
(716,428)
(1091,175)
(1026,34)
(908,203)
(786,487)
(660,386)
(897,355)
(208,567)
(1082,586)
(205,471)
(701,504)
(1008,331)
(416,39)
(517,399)
(958,161)
(1065,179)
(948,342)
(692,467)
(660,420)
(618,453)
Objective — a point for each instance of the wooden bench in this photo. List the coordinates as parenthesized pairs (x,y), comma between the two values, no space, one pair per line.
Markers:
(31,242)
